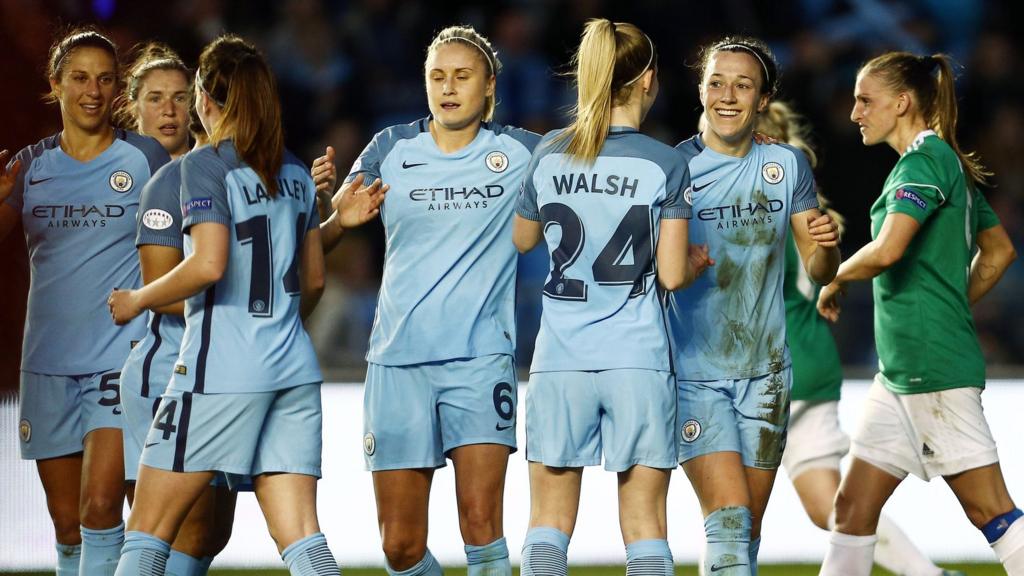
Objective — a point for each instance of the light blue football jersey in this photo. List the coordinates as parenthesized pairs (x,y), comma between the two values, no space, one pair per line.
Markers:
(731,322)
(79,221)
(450,266)
(244,334)
(148,368)
(601,306)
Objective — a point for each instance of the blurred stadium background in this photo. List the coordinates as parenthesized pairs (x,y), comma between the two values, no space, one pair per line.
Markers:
(347,68)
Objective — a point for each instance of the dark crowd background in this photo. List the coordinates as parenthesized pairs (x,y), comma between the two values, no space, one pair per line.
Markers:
(346,69)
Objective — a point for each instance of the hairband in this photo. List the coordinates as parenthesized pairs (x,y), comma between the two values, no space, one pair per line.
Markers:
(478,47)
(767,77)
(649,62)
(74,41)
(199,82)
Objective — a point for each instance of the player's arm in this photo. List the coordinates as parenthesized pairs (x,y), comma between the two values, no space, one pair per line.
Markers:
(157,261)
(817,240)
(526,233)
(353,205)
(679,262)
(200,270)
(995,254)
(872,259)
(311,273)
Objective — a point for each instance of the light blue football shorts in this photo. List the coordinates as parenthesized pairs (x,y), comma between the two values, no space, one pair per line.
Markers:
(58,411)
(629,414)
(748,415)
(238,434)
(138,416)
(415,415)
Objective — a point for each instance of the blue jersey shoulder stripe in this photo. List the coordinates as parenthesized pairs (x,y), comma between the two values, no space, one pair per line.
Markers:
(154,152)
(204,339)
(147,364)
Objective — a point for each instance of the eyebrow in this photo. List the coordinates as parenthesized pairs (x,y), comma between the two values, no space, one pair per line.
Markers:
(738,76)
(461,69)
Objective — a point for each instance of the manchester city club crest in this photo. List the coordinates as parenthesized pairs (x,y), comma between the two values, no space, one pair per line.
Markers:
(772,172)
(121,181)
(369,444)
(688,195)
(25,430)
(690,431)
(497,161)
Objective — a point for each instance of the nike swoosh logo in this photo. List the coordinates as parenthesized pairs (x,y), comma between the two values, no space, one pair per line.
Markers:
(32,182)
(501,428)
(151,444)
(699,188)
(716,568)
(407,165)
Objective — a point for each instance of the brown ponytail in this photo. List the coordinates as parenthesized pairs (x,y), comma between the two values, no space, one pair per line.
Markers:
(237,78)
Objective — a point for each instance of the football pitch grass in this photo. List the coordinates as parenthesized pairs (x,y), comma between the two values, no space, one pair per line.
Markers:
(764,570)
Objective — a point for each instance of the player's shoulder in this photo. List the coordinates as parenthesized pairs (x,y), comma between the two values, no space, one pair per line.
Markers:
(521,136)
(691,147)
(33,151)
(153,151)
(289,159)
(386,139)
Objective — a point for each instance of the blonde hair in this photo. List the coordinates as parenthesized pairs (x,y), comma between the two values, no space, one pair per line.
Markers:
(781,122)
(611,57)
(468,36)
(930,79)
(237,78)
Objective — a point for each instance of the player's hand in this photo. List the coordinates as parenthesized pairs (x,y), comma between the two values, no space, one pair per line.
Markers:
(764,138)
(324,174)
(823,230)
(700,259)
(7,177)
(357,204)
(828,301)
(123,306)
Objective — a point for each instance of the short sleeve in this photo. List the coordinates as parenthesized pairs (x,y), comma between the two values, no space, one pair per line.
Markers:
(805,196)
(526,203)
(160,209)
(368,162)
(914,190)
(986,216)
(677,194)
(204,189)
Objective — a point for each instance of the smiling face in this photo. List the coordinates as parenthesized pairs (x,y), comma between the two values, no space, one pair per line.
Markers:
(459,82)
(162,109)
(875,109)
(731,94)
(86,89)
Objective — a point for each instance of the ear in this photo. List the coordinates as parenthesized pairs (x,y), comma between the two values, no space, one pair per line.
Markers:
(762,103)
(491,83)
(648,80)
(902,103)
(54,86)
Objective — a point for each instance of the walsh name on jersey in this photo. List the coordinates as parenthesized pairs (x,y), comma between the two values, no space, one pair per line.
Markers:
(614,185)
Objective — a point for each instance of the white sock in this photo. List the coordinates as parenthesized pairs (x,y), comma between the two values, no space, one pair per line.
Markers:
(1010,549)
(848,555)
(897,554)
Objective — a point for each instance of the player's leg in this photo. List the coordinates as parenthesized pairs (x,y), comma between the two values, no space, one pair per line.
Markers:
(204,532)
(402,447)
(102,501)
(815,445)
(61,478)
(638,437)
(554,504)
(986,501)
(476,403)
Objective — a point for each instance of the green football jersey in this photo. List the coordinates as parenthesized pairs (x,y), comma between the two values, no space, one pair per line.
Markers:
(924,331)
(817,372)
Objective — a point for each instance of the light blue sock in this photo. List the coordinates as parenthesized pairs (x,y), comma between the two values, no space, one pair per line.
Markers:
(728,542)
(488,560)
(544,552)
(755,547)
(428,566)
(181,564)
(649,558)
(101,550)
(310,556)
(204,565)
(68,558)
(143,555)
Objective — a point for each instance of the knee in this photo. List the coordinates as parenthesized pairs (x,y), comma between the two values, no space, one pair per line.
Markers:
(101,510)
(820,518)
(403,551)
(67,528)
(854,517)
(480,522)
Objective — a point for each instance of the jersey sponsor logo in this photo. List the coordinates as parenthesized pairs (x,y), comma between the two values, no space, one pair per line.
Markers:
(772,172)
(406,165)
(196,204)
(697,188)
(77,216)
(904,194)
(157,219)
(369,444)
(450,198)
(25,430)
(738,215)
(121,181)
(690,431)
(497,161)
(33,182)
(614,184)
